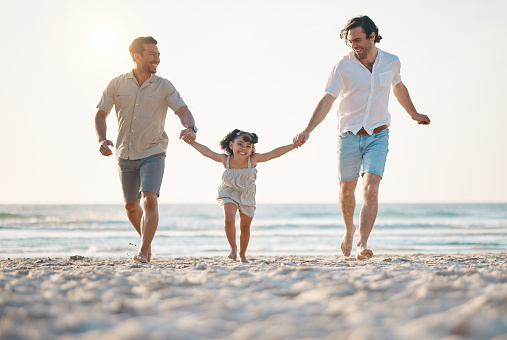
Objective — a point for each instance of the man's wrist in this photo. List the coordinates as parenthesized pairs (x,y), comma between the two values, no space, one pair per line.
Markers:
(193,128)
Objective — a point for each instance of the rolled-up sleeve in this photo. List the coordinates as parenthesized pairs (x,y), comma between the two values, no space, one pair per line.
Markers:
(397,73)
(334,83)
(173,98)
(107,101)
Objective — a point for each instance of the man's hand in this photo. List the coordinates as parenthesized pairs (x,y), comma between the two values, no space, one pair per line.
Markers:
(301,139)
(188,135)
(421,119)
(104,147)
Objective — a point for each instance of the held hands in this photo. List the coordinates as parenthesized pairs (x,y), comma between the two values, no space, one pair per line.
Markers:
(421,119)
(301,139)
(188,136)
(104,147)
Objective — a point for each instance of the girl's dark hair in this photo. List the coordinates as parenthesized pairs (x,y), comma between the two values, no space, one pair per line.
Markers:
(231,136)
(366,24)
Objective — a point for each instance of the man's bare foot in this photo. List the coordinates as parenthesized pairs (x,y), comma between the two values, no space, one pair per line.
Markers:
(233,255)
(347,240)
(243,258)
(363,253)
(149,255)
(141,258)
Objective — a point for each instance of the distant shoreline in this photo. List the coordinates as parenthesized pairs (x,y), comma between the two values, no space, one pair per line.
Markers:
(103,231)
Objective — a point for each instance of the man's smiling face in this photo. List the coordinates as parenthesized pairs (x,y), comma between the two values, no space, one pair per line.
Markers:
(150,58)
(360,44)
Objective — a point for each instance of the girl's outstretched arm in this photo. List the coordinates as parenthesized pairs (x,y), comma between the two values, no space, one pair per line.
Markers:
(205,151)
(264,157)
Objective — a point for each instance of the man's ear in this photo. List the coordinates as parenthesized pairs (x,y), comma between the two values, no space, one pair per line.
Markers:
(372,36)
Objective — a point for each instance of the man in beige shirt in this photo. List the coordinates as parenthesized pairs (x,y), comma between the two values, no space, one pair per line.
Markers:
(141,100)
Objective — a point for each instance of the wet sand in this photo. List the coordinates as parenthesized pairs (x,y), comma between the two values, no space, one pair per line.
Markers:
(286,297)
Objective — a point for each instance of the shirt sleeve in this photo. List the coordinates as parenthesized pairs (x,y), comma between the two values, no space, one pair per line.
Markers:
(396,71)
(334,82)
(107,101)
(173,98)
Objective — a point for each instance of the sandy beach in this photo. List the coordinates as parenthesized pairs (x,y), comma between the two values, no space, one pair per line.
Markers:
(289,297)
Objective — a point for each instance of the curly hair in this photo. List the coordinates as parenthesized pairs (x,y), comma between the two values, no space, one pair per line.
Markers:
(366,24)
(137,45)
(236,133)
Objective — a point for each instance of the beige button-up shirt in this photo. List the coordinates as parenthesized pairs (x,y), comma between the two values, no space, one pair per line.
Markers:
(364,95)
(141,112)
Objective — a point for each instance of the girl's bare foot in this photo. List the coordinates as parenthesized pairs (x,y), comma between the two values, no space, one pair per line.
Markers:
(347,240)
(243,258)
(234,254)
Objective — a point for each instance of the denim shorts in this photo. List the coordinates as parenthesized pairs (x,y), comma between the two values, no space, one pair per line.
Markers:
(141,175)
(370,151)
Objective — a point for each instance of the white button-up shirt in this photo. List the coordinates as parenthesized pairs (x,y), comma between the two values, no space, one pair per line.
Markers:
(364,95)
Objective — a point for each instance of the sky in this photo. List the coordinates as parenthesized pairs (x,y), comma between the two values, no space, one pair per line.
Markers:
(260,66)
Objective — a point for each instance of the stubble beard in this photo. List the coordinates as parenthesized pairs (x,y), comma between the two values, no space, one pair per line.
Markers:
(366,51)
(150,69)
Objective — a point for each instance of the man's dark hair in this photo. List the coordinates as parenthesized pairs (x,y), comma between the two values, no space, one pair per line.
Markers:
(137,45)
(367,25)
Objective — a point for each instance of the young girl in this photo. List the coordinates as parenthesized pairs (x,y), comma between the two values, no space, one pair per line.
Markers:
(237,190)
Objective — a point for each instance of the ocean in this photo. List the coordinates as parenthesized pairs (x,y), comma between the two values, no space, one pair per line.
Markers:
(28,231)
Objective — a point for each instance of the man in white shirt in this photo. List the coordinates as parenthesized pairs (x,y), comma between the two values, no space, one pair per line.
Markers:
(361,80)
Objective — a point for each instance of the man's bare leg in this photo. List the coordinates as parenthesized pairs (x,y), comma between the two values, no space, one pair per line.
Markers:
(347,207)
(244,238)
(135,215)
(149,225)
(230,228)
(368,214)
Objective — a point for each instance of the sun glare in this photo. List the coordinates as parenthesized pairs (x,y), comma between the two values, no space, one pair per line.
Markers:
(101,37)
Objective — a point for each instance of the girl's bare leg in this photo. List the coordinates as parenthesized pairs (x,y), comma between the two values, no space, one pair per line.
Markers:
(244,238)
(230,228)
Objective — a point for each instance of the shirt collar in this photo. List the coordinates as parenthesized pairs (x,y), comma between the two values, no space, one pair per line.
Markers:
(130,75)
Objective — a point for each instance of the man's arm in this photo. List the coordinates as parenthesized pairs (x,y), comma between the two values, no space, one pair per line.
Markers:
(320,112)
(401,93)
(187,120)
(101,129)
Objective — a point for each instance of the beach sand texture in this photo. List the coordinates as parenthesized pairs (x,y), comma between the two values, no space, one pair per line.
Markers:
(288,297)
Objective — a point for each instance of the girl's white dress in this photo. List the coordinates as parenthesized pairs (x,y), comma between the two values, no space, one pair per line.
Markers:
(238,187)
